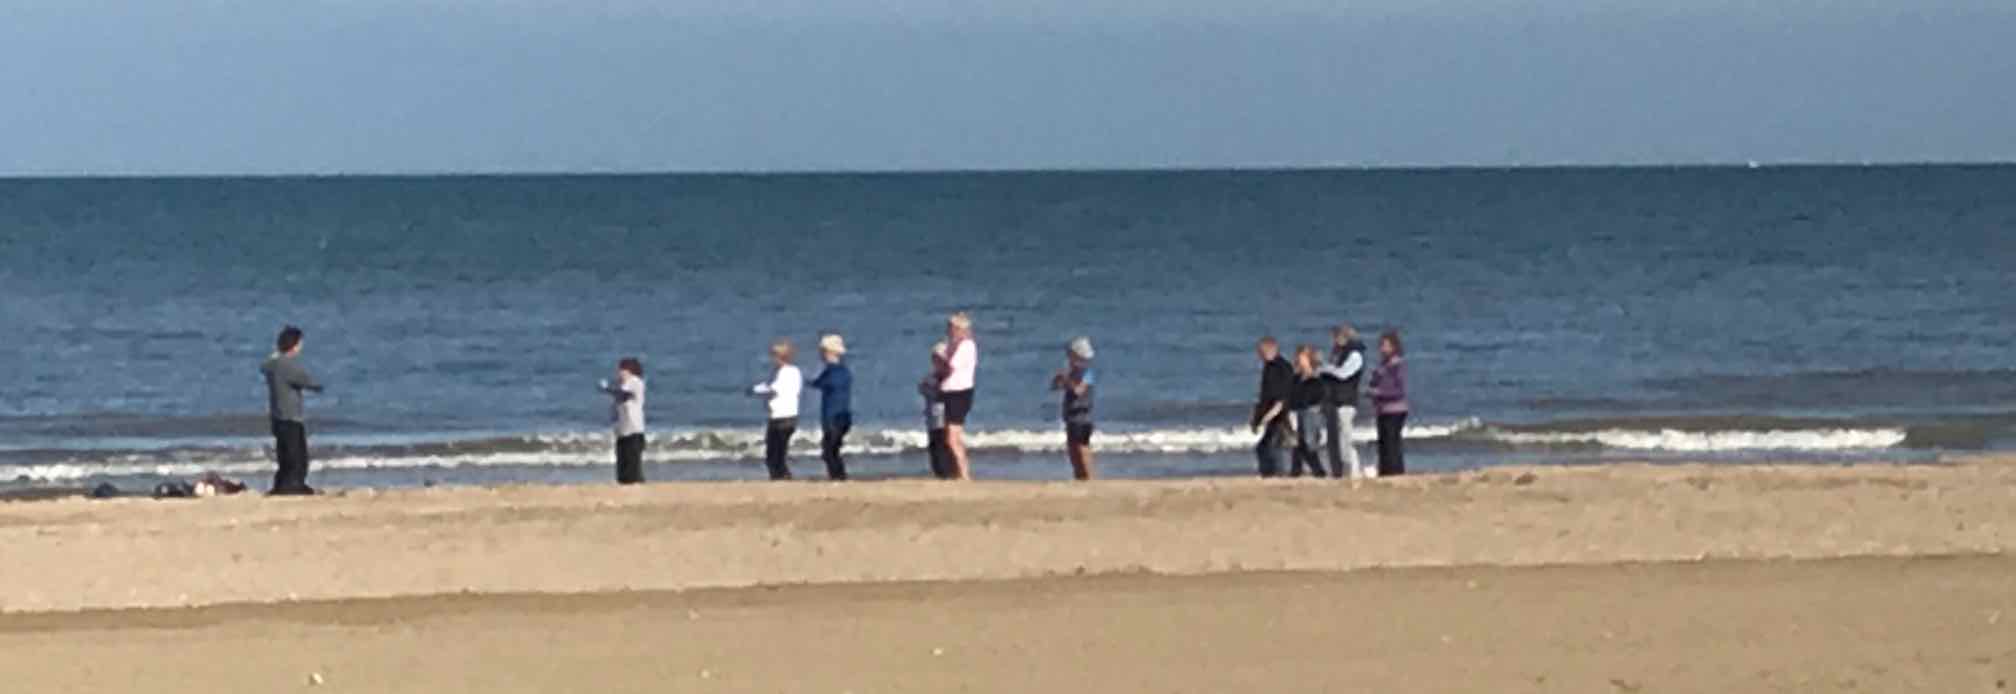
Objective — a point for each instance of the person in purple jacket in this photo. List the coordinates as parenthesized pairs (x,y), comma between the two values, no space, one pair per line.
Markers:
(1389,401)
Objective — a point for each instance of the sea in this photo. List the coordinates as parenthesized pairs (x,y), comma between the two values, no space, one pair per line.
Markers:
(1728,315)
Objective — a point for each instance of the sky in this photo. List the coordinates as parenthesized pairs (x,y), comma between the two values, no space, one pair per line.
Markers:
(209,87)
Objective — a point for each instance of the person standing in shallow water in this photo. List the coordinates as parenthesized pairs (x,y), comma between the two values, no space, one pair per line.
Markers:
(1077,382)
(1306,404)
(626,417)
(1270,413)
(956,391)
(286,380)
(1389,401)
(836,417)
(1340,377)
(781,392)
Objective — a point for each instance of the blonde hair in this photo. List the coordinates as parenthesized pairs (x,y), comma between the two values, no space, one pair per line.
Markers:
(960,320)
(782,349)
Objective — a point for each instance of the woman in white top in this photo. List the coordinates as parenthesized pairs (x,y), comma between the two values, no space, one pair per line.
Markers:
(956,391)
(782,391)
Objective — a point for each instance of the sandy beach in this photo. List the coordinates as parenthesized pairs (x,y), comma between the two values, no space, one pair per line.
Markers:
(1616,578)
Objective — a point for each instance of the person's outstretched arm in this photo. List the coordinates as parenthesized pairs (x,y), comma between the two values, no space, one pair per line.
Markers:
(1343,372)
(616,390)
(769,387)
(300,379)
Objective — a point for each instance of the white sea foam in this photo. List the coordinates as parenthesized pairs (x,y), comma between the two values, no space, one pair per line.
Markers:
(1713,441)
(591,449)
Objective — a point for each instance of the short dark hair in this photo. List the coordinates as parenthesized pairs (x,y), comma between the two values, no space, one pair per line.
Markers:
(630,364)
(1269,340)
(290,337)
(1393,336)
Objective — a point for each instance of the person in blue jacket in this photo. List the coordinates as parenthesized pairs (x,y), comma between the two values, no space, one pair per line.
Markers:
(836,416)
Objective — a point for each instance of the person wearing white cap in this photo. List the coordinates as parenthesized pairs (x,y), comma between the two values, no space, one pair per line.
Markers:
(1077,382)
(835,385)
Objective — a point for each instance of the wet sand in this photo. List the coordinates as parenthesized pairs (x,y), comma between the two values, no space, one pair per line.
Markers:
(1871,625)
(1604,579)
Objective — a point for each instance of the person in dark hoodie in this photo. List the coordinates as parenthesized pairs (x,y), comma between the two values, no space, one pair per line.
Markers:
(1341,374)
(1270,413)
(286,380)
(1306,404)
(836,415)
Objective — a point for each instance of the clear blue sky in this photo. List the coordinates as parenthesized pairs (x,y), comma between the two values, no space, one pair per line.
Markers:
(211,87)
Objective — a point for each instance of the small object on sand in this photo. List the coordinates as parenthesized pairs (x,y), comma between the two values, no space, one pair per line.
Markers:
(314,679)
(692,615)
(104,490)
(1525,478)
(706,674)
(937,651)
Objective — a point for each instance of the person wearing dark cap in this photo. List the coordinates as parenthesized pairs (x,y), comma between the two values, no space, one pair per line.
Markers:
(286,380)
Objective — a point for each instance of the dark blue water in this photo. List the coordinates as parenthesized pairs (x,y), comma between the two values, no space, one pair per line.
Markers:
(461,322)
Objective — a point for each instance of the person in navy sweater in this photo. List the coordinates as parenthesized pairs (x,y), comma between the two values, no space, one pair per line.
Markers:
(836,417)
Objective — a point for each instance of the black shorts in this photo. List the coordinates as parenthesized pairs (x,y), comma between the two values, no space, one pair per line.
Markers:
(1078,434)
(957,405)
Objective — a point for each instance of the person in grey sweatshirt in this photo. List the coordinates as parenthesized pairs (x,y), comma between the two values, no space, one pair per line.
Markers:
(286,380)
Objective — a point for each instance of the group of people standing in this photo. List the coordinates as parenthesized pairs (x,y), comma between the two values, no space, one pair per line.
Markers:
(1314,398)
(1303,403)
(947,389)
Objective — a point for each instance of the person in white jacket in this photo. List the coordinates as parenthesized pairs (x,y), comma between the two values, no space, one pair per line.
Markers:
(782,392)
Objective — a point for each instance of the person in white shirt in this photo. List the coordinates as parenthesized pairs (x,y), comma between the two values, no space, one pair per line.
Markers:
(956,390)
(626,417)
(782,391)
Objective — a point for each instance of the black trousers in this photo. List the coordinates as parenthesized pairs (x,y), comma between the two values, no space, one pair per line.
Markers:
(1268,450)
(1392,460)
(630,459)
(833,436)
(290,446)
(941,459)
(777,447)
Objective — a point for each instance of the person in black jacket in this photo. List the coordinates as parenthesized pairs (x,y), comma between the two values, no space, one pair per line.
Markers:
(1306,403)
(1270,413)
(1341,375)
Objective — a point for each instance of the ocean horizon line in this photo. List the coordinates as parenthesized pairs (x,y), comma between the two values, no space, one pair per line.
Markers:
(1007,171)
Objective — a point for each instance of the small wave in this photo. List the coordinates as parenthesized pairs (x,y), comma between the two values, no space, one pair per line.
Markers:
(1685,441)
(588,449)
